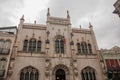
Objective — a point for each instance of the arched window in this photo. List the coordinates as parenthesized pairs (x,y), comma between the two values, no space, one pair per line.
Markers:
(25,45)
(90,48)
(88,74)
(59,46)
(32,45)
(3,63)
(84,47)
(79,47)
(29,73)
(39,43)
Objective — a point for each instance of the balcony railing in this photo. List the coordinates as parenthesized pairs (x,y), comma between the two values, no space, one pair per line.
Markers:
(4,51)
(2,73)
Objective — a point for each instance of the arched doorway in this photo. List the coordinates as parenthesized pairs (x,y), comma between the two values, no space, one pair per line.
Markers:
(60,74)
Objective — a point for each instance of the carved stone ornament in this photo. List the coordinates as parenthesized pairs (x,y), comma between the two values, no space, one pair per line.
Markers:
(75,71)
(71,43)
(47,41)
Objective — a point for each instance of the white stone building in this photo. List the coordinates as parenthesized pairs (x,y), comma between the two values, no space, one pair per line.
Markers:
(54,51)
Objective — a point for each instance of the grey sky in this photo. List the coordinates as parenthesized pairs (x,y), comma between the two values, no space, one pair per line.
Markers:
(98,12)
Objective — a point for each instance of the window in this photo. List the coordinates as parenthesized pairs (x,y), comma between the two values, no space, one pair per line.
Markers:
(88,74)
(32,45)
(1,45)
(62,46)
(2,66)
(59,46)
(25,45)
(79,47)
(29,73)
(83,47)
(89,48)
(39,46)
(3,63)
(7,46)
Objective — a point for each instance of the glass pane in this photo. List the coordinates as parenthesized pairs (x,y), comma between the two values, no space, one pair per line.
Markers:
(36,76)
(39,46)
(22,76)
(57,46)
(27,76)
(31,76)
(62,46)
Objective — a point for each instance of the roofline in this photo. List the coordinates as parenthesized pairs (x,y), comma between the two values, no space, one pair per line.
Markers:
(9,27)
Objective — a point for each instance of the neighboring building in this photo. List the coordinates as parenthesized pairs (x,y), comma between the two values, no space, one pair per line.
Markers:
(110,58)
(117,8)
(7,39)
(54,51)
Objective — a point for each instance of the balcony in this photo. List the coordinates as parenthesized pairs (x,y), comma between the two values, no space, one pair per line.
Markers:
(4,51)
(2,72)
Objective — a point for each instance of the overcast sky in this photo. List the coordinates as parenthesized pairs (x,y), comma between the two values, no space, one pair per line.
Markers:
(98,12)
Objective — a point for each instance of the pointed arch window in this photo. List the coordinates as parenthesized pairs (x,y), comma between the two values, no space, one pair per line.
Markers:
(59,46)
(84,47)
(39,43)
(32,45)
(88,74)
(89,48)
(25,45)
(29,73)
(79,47)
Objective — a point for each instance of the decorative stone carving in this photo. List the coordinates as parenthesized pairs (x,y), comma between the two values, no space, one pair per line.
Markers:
(75,71)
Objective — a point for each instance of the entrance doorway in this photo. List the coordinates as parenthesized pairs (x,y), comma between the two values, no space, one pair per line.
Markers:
(60,74)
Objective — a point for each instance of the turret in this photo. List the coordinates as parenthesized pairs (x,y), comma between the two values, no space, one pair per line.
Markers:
(48,13)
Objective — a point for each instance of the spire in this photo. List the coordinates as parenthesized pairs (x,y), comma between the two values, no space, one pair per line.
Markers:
(22,18)
(68,16)
(80,26)
(90,26)
(48,13)
(34,21)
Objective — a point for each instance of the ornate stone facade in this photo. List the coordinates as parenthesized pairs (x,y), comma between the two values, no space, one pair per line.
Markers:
(54,51)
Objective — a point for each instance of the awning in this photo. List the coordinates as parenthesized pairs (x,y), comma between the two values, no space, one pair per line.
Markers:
(112,65)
